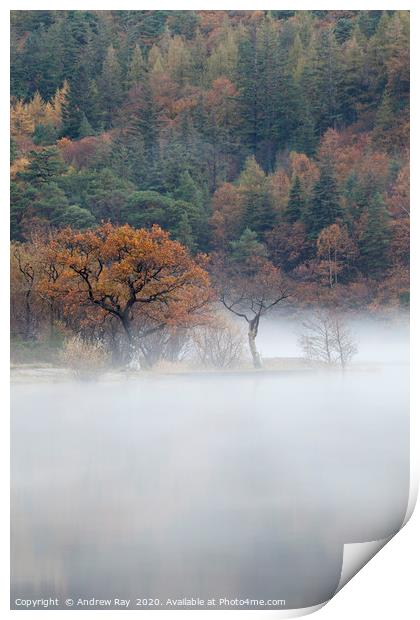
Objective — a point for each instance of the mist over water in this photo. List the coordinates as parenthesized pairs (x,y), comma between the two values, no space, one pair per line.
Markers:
(217,485)
(380,341)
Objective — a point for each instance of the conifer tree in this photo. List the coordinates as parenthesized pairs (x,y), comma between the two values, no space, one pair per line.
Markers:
(248,88)
(183,231)
(137,68)
(188,191)
(268,87)
(374,241)
(111,90)
(85,128)
(297,203)
(324,207)
(43,166)
(258,209)
(247,246)
(77,101)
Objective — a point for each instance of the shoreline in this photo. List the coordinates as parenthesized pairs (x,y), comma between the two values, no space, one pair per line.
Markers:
(49,373)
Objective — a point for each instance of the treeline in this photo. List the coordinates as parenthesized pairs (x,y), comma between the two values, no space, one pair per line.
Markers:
(281,134)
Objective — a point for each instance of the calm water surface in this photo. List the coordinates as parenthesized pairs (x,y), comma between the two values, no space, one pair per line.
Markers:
(236,486)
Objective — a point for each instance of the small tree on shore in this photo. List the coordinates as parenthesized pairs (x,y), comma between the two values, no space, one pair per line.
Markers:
(218,344)
(85,359)
(327,338)
(250,289)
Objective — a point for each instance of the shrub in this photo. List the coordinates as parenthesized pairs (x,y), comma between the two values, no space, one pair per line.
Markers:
(220,344)
(85,359)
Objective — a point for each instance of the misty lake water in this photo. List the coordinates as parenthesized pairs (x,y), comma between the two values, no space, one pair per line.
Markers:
(205,486)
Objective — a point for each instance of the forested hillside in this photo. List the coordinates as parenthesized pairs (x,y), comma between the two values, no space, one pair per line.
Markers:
(282,135)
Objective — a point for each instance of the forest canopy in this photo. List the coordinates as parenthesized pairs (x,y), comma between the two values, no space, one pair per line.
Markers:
(278,136)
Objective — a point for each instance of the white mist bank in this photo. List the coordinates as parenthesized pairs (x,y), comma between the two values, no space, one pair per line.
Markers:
(236,486)
(378,340)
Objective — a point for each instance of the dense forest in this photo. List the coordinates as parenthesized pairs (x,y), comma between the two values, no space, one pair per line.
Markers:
(272,142)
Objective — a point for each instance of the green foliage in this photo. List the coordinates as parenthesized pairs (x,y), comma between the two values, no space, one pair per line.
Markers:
(20,198)
(50,202)
(324,207)
(85,128)
(76,217)
(183,23)
(44,135)
(375,239)
(327,75)
(246,247)
(43,166)
(297,203)
(343,29)
(137,68)
(296,73)
(147,208)
(258,209)
(111,80)
(165,107)
(368,21)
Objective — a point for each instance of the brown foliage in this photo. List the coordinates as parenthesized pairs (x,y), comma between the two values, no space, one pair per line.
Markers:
(130,274)
(227,214)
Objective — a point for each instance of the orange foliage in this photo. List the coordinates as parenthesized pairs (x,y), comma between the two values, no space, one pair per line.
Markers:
(130,274)
(335,249)
(81,153)
(18,165)
(347,153)
(400,241)
(280,189)
(221,101)
(301,165)
(227,213)
(399,200)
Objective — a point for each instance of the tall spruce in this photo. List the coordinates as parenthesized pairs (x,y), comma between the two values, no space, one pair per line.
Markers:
(374,242)
(111,85)
(324,207)
(296,205)
(259,213)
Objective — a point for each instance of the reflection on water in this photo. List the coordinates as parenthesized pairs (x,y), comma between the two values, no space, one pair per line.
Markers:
(217,486)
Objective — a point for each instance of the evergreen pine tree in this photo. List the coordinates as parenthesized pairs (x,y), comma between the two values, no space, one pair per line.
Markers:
(137,68)
(268,87)
(189,192)
(248,88)
(324,208)
(384,122)
(374,242)
(327,81)
(258,209)
(247,246)
(76,101)
(296,205)
(43,166)
(85,128)
(183,231)
(111,90)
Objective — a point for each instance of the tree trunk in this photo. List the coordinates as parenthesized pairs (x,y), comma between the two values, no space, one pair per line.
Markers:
(134,361)
(131,345)
(28,316)
(252,334)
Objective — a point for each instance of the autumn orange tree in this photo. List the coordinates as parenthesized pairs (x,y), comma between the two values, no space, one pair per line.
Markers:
(141,277)
(334,248)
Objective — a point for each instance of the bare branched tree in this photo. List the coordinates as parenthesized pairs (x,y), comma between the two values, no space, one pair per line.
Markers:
(219,344)
(250,292)
(327,338)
